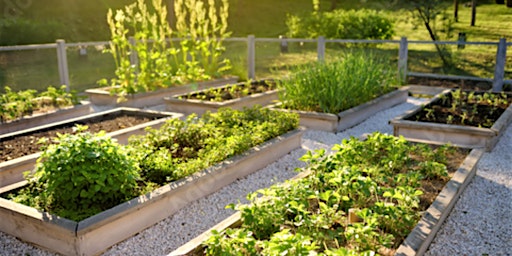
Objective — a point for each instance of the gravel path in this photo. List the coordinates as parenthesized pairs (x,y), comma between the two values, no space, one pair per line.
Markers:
(479,224)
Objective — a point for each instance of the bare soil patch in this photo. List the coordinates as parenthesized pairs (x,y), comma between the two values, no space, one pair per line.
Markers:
(18,146)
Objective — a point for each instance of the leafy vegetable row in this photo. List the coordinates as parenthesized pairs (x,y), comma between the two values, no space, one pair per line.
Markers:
(380,179)
(84,174)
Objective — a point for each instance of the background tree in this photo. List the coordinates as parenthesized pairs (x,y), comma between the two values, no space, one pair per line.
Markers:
(427,13)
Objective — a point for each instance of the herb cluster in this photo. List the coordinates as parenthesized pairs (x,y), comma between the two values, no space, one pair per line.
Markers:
(180,148)
(14,105)
(336,86)
(379,178)
(81,175)
(84,174)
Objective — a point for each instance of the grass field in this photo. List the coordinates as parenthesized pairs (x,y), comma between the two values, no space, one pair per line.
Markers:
(85,21)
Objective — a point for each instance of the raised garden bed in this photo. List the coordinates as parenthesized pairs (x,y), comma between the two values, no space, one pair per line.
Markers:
(351,117)
(95,234)
(38,119)
(416,242)
(462,118)
(235,96)
(102,96)
(20,149)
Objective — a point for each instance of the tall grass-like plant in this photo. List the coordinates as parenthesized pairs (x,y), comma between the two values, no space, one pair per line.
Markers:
(146,58)
(332,87)
(203,26)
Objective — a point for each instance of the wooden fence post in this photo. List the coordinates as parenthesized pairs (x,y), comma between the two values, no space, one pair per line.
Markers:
(251,57)
(321,48)
(499,71)
(62,61)
(402,60)
(283,44)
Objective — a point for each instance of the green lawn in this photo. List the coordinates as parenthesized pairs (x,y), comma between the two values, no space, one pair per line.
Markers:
(85,21)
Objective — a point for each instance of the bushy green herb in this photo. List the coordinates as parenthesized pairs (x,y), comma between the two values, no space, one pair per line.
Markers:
(14,105)
(336,86)
(180,148)
(379,177)
(83,174)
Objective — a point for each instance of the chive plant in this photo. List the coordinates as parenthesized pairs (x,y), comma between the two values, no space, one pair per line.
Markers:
(332,87)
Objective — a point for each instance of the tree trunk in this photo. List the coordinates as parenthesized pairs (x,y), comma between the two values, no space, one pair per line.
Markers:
(509,3)
(456,10)
(438,47)
(333,4)
(473,13)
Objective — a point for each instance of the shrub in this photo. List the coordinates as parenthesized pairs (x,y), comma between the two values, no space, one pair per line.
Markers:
(83,174)
(341,24)
(18,31)
(332,87)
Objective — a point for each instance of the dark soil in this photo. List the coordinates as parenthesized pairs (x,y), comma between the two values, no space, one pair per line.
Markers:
(12,148)
(228,93)
(468,112)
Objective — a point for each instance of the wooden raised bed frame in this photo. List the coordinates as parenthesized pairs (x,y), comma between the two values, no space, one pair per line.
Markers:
(97,233)
(458,135)
(351,117)
(102,96)
(12,171)
(416,243)
(189,106)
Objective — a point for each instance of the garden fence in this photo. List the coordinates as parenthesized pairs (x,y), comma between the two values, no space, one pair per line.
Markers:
(498,80)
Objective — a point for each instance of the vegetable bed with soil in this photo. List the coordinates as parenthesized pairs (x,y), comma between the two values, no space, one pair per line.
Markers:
(334,96)
(87,192)
(364,198)
(26,109)
(20,150)
(236,96)
(464,118)
(17,146)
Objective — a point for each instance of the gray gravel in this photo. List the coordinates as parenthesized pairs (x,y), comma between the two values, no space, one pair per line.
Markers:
(480,222)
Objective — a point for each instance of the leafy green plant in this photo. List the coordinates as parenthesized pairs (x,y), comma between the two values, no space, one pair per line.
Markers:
(81,175)
(381,177)
(143,33)
(14,105)
(180,148)
(336,86)
(341,24)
